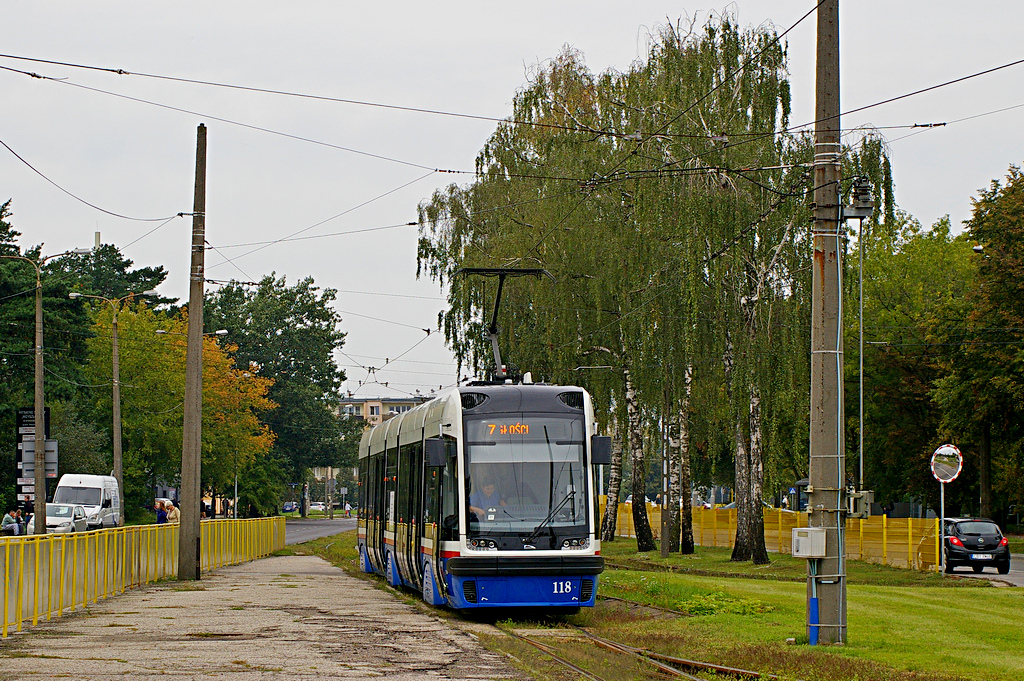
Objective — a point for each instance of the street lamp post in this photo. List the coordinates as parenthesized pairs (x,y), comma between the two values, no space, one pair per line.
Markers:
(115,306)
(39,505)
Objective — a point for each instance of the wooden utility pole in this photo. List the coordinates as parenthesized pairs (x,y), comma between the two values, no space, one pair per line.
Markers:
(826,580)
(191,450)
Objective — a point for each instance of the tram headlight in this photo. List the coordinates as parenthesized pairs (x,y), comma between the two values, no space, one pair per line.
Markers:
(483,544)
(576,543)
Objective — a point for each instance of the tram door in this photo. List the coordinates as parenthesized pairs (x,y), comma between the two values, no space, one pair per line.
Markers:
(413,498)
(375,509)
(390,480)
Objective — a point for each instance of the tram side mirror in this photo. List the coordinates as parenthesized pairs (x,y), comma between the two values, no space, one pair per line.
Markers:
(600,450)
(435,452)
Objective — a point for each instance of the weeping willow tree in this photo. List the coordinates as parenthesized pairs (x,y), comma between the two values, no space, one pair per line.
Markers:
(672,209)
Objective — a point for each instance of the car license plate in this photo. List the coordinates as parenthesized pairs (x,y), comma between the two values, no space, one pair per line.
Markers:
(981,556)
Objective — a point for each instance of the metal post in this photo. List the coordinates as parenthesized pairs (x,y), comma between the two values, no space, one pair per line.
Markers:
(826,582)
(39,505)
(942,527)
(189,555)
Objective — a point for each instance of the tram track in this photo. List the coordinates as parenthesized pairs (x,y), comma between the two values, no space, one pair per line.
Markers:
(675,667)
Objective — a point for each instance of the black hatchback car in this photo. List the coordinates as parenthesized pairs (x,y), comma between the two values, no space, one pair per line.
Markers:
(977,542)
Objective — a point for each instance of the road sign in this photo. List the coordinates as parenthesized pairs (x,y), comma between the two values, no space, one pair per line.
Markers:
(28,468)
(947,462)
(792,490)
(26,497)
(27,489)
(26,481)
(28,450)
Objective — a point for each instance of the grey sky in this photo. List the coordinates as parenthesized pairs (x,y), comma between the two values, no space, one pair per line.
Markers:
(136,159)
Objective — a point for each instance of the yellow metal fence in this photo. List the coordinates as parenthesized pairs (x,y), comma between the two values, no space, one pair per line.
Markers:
(44,576)
(900,542)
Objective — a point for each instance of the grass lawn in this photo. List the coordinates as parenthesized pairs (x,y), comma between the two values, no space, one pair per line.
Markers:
(903,625)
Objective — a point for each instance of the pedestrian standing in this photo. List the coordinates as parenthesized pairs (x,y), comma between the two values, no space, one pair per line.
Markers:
(161,513)
(173,514)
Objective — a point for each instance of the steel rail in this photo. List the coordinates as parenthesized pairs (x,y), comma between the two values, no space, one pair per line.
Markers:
(555,656)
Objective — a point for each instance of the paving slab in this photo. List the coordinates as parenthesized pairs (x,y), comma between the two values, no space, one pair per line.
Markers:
(285,617)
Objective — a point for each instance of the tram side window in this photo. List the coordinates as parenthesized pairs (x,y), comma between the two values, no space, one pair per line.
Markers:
(364,470)
(390,483)
(405,499)
(449,488)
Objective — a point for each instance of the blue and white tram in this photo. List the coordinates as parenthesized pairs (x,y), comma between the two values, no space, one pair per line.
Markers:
(485,497)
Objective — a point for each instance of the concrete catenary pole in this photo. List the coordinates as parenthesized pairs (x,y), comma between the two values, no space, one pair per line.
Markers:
(116,366)
(191,452)
(826,581)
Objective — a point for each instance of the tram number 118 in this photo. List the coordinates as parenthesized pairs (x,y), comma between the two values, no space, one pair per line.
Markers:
(563,587)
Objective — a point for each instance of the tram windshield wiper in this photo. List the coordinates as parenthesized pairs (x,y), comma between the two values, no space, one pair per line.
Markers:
(551,516)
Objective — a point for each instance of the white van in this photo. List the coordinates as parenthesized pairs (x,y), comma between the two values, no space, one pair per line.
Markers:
(97,493)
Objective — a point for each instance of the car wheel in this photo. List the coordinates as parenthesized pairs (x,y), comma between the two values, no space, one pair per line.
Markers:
(977,569)
(1003,567)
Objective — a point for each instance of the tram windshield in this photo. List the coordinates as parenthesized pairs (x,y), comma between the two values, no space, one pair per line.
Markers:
(525,473)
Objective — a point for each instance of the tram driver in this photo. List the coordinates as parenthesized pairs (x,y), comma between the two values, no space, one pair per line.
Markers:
(486,497)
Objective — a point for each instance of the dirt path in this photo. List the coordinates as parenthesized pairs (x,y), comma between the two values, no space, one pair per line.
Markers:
(288,617)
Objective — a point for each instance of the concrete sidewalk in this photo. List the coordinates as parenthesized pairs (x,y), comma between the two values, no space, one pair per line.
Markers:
(288,617)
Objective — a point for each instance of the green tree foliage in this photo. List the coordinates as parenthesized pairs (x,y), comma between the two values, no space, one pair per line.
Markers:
(289,334)
(663,209)
(982,393)
(915,283)
(104,271)
(83,447)
(152,370)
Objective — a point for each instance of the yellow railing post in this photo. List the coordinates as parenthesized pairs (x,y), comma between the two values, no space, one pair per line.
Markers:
(885,539)
(861,539)
(21,581)
(938,545)
(7,583)
(910,543)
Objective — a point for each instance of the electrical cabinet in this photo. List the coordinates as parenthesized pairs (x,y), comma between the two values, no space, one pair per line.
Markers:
(808,542)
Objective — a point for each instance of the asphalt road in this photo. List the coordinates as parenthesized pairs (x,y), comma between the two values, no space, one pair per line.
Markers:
(1014,578)
(298,530)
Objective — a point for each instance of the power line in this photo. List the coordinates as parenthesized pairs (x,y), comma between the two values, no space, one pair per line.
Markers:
(80,199)
(344,212)
(321,236)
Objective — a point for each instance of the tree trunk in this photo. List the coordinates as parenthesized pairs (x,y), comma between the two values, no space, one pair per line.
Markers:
(674,485)
(686,533)
(758,551)
(644,536)
(741,484)
(611,509)
(985,470)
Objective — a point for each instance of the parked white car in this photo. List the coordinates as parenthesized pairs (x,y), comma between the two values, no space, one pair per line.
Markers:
(62,518)
(317,506)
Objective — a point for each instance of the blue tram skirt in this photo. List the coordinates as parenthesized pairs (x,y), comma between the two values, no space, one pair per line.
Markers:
(515,591)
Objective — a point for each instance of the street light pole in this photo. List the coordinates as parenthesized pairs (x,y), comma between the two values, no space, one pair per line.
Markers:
(39,504)
(115,306)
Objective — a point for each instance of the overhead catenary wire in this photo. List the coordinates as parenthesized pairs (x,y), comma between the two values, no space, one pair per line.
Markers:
(80,199)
